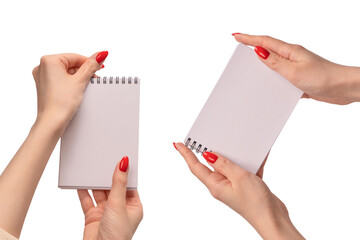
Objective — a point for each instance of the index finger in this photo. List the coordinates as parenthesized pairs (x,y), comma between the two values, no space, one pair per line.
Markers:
(196,167)
(260,172)
(71,60)
(85,200)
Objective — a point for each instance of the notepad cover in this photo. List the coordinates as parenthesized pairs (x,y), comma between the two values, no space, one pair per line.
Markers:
(245,112)
(104,129)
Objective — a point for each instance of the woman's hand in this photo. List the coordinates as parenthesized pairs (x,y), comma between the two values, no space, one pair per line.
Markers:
(118,212)
(317,77)
(60,81)
(243,192)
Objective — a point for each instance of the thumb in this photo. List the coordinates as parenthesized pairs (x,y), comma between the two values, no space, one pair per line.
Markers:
(275,61)
(222,165)
(90,66)
(117,194)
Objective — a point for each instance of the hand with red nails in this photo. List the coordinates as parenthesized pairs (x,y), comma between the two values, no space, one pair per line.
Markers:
(60,81)
(117,213)
(317,77)
(244,192)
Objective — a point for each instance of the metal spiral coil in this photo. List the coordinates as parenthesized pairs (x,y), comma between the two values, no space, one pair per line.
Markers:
(115,80)
(194,145)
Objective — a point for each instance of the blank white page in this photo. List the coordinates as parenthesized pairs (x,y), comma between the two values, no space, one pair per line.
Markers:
(104,129)
(245,112)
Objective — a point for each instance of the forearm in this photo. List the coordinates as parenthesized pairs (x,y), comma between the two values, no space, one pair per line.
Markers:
(20,178)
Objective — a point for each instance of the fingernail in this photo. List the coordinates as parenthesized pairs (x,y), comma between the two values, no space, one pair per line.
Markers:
(210,157)
(235,34)
(124,163)
(262,52)
(175,146)
(101,56)
(102,66)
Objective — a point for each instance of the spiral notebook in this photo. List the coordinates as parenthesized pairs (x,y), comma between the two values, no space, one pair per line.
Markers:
(104,129)
(245,112)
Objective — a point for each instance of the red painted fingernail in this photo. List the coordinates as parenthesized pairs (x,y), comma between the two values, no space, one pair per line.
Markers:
(210,157)
(102,66)
(235,34)
(175,146)
(124,163)
(262,52)
(101,56)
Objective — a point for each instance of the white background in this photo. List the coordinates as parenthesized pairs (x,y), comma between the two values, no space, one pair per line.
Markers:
(179,50)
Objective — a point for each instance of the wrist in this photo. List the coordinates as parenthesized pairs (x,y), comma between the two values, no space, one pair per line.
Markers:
(349,83)
(273,222)
(278,228)
(52,122)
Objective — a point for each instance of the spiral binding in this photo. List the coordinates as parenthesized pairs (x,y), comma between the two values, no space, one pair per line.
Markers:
(192,145)
(115,80)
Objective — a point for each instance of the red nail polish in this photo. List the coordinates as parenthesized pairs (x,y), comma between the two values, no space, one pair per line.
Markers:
(101,56)
(124,163)
(175,146)
(235,34)
(102,66)
(210,157)
(262,52)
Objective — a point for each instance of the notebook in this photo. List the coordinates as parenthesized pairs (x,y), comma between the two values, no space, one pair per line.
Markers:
(245,112)
(104,129)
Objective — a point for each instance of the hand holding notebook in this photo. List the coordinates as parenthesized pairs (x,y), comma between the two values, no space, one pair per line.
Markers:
(243,192)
